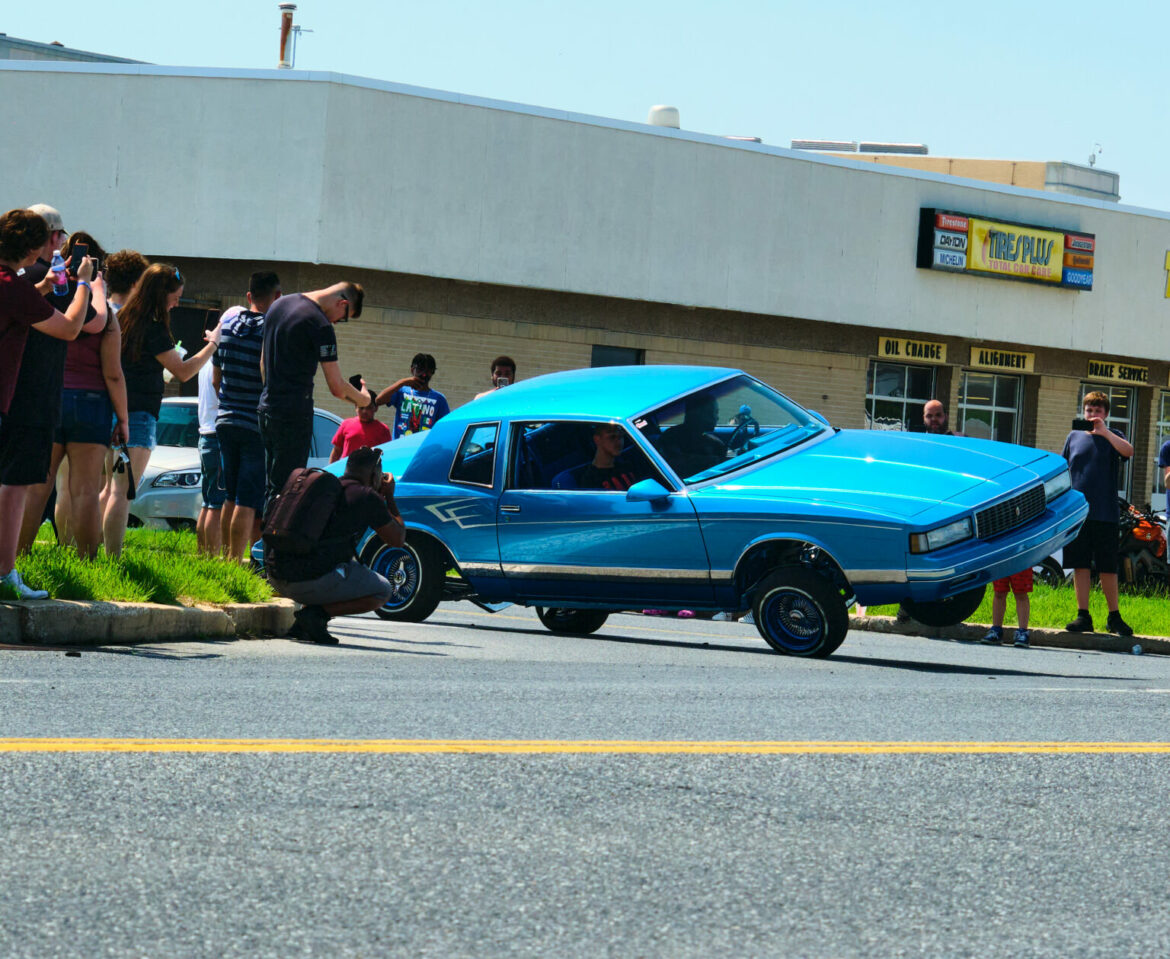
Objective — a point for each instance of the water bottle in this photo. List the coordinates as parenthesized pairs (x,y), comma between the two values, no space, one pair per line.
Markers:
(60,278)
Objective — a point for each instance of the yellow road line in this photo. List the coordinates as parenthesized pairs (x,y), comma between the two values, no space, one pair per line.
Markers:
(536,746)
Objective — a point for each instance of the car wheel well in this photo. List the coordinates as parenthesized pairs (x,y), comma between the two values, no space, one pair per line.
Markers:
(374,543)
(764,557)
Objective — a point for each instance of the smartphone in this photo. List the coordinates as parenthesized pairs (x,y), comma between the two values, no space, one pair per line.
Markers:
(79,252)
(1080,424)
(356,381)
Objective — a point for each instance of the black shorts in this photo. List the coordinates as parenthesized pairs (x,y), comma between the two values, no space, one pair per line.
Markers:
(1096,542)
(25,452)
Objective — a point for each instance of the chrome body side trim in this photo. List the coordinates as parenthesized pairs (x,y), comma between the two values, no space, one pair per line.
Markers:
(557,571)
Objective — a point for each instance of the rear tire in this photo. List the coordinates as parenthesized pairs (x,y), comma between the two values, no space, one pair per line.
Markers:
(416,572)
(1049,572)
(945,612)
(799,613)
(571,622)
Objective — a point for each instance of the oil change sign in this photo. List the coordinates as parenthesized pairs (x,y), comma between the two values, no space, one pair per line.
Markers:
(966,243)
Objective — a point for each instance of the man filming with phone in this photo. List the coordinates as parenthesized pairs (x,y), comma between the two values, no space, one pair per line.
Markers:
(325,577)
(1094,453)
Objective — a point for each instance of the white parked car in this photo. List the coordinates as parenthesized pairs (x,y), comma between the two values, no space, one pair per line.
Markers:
(170,492)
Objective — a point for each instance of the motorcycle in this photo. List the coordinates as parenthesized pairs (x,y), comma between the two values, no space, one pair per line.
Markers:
(1142,549)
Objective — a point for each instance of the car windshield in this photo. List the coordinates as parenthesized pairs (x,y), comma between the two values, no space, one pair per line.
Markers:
(178,425)
(725,427)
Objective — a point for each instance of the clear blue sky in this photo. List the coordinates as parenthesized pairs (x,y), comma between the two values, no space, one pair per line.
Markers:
(1022,81)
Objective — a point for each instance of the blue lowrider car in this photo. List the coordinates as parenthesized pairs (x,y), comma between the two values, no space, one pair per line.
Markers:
(724,495)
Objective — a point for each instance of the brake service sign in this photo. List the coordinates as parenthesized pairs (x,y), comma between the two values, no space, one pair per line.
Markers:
(965,243)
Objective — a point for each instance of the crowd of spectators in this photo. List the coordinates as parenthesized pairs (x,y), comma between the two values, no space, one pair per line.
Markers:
(86,348)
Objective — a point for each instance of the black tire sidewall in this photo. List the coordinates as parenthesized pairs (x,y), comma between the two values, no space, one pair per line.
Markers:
(834,615)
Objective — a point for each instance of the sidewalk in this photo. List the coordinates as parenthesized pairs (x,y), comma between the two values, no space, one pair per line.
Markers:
(58,622)
(1057,638)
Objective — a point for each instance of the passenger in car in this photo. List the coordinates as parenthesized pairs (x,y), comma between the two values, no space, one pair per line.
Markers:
(609,470)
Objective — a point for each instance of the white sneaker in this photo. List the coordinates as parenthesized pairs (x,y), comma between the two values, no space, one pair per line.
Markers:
(13,581)
(748,618)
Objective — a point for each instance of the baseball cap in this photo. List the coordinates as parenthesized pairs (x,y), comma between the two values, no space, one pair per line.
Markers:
(51,216)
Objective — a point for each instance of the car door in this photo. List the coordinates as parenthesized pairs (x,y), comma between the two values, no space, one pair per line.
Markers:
(559,541)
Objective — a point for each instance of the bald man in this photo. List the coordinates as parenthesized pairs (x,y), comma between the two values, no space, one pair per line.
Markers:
(934,419)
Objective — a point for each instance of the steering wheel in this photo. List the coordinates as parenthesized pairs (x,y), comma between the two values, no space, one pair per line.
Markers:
(739,438)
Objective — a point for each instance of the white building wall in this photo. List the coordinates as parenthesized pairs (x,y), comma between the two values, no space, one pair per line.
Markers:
(258,165)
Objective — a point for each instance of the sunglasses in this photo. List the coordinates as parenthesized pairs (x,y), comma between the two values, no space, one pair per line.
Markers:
(345,300)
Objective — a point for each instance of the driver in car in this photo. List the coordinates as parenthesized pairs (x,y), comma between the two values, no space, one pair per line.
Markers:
(689,447)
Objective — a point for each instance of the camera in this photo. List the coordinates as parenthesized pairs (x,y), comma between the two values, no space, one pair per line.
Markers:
(1082,424)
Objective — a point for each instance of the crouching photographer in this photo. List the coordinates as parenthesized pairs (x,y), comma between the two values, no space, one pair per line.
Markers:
(311,533)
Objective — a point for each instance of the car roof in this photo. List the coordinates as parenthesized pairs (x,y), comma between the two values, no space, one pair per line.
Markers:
(608,392)
(194,400)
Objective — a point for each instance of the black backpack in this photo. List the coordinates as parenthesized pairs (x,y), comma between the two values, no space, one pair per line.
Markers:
(301,511)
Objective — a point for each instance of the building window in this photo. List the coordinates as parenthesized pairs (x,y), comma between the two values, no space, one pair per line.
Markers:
(617,356)
(1122,416)
(1163,436)
(895,394)
(989,406)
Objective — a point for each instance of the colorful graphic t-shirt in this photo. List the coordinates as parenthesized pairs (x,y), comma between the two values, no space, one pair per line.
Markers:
(417,410)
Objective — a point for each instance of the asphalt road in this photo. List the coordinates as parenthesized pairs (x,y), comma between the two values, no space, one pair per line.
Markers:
(572,853)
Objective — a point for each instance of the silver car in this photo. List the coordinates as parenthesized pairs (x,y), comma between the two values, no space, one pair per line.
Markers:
(170,491)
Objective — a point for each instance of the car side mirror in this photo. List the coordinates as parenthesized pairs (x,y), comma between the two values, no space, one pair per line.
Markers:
(647,491)
(821,416)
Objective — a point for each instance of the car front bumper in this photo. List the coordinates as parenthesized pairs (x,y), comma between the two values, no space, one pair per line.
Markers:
(930,577)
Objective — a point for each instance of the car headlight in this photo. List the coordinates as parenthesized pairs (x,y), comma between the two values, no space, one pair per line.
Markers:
(1058,484)
(942,536)
(184,479)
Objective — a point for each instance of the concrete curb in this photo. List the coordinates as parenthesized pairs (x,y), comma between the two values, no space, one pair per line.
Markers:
(59,622)
(1056,638)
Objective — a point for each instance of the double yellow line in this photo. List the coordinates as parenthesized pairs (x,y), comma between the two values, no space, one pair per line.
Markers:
(571,747)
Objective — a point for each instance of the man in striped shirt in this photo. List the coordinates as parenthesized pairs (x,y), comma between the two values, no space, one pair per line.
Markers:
(238,382)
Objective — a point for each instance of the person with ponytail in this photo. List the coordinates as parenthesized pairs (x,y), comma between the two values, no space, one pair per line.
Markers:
(147,350)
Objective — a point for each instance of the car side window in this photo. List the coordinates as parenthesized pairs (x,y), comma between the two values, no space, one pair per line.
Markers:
(567,456)
(475,460)
(323,430)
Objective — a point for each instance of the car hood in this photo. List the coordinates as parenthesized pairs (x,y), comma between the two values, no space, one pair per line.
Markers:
(166,458)
(885,474)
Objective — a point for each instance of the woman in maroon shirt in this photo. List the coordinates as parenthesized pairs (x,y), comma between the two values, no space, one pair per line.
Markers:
(23,236)
(94,393)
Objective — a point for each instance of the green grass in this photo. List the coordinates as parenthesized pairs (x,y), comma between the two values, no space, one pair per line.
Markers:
(1053,608)
(155,567)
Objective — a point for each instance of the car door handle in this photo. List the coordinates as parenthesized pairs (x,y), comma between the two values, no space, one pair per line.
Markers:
(509,509)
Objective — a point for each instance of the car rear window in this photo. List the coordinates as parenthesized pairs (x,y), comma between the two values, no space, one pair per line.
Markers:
(475,461)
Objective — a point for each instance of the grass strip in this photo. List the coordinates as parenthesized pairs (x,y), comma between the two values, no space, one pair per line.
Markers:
(156,566)
(1054,608)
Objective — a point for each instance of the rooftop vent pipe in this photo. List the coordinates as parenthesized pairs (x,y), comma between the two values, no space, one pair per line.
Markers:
(286,35)
(663,116)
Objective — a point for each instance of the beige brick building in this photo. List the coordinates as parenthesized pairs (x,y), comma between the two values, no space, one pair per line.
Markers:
(481,228)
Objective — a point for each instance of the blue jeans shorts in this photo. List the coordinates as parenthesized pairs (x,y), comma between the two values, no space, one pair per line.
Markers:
(85,417)
(143,429)
(213,491)
(242,458)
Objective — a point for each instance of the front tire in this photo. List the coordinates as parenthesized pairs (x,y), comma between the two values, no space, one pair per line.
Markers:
(416,572)
(945,612)
(799,613)
(571,622)
(1049,572)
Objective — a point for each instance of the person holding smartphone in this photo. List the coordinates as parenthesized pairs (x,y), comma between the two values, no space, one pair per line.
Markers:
(25,449)
(1094,453)
(147,349)
(503,370)
(93,393)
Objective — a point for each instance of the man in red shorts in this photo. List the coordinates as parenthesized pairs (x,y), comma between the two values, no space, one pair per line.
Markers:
(1020,585)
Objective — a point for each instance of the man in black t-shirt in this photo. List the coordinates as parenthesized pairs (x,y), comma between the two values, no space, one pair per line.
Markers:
(298,335)
(608,471)
(330,582)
